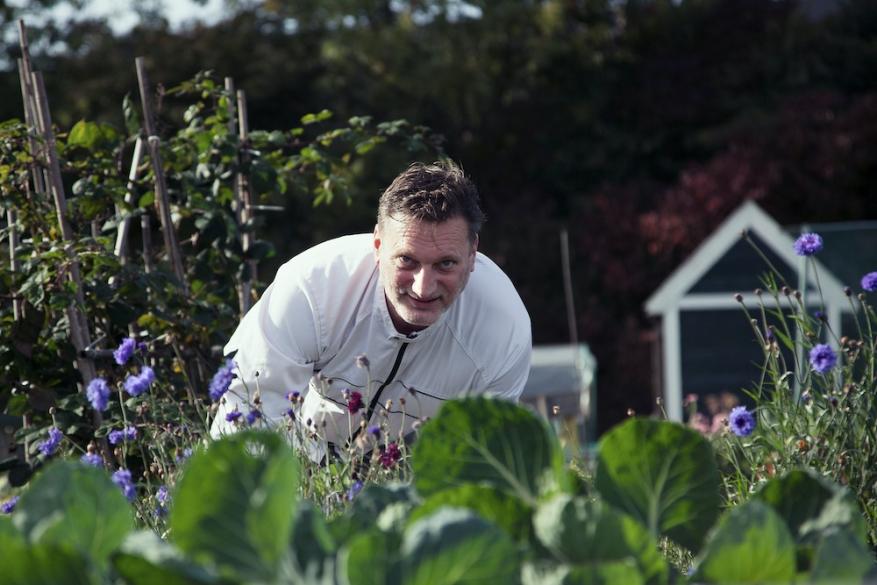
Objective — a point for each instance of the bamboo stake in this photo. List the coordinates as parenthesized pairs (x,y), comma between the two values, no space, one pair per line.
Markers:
(78,325)
(237,203)
(13,261)
(28,96)
(171,245)
(246,207)
(162,201)
(121,249)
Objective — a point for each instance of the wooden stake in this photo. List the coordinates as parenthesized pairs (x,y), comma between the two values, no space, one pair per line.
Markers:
(246,207)
(78,325)
(171,245)
(162,201)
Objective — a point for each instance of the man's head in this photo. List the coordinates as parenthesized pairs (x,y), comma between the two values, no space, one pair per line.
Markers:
(425,242)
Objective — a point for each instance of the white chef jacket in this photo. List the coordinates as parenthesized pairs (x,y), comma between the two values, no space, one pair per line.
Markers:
(327,306)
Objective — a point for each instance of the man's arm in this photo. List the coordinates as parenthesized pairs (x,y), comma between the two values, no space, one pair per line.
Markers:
(274,347)
(512,375)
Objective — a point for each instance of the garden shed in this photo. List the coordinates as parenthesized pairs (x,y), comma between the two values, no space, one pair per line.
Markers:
(706,344)
(563,379)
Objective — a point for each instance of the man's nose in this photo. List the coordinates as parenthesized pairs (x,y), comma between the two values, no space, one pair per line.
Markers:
(424,283)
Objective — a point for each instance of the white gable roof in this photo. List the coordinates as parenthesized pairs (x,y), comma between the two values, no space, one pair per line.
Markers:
(751,217)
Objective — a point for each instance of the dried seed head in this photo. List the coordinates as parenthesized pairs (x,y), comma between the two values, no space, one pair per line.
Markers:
(402,401)
(555,410)
(631,412)
(758,292)
(738,297)
(798,295)
(786,291)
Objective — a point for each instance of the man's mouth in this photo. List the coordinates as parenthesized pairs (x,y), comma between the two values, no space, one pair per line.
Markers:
(421,303)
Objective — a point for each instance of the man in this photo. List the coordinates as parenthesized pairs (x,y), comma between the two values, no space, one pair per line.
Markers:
(384,327)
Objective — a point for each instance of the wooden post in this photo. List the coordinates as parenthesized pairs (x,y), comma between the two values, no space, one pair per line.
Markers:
(162,201)
(78,325)
(24,75)
(246,207)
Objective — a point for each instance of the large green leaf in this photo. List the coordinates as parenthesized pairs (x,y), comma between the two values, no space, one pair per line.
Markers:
(489,441)
(605,573)
(662,474)
(503,509)
(842,557)
(582,532)
(454,546)
(77,506)
(367,507)
(145,559)
(41,564)
(370,558)
(312,546)
(751,544)
(235,503)
(810,504)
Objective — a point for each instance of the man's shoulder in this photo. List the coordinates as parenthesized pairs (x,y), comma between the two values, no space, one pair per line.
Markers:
(491,310)
(332,258)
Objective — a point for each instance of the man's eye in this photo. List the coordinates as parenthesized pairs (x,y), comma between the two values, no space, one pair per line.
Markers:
(447,264)
(406,261)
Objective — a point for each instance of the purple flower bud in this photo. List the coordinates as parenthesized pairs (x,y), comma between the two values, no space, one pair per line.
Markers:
(125,350)
(741,421)
(98,394)
(221,380)
(50,445)
(869,282)
(122,478)
(92,459)
(808,244)
(8,506)
(822,358)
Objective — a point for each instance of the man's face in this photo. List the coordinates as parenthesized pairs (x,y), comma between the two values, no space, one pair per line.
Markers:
(424,266)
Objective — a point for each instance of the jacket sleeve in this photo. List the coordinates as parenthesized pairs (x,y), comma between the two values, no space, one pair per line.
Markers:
(511,377)
(275,348)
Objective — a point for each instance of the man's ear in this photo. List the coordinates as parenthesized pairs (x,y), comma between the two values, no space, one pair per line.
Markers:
(472,256)
(377,241)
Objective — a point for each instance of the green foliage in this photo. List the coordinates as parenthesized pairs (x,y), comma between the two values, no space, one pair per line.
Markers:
(490,442)
(241,491)
(236,518)
(663,475)
(812,427)
(750,545)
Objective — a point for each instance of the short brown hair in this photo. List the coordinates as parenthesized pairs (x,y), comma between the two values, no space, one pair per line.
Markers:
(436,193)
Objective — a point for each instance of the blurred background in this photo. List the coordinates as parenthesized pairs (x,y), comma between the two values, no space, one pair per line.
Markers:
(637,126)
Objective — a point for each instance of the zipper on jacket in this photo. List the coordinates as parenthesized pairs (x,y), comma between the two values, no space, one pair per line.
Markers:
(374,401)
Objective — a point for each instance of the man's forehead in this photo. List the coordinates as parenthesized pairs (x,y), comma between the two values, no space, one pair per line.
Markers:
(451,235)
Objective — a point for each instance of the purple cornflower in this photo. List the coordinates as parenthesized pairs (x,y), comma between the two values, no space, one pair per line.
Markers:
(9,505)
(253,416)
(98,394)
(50,445)
(185,454)
(233,416)
(354,402)
(869,282)
(820,315)
(92,459)
(221,380)
(122,478)
(293,396)
(390,455)
(741,421)
(137,384)
(129,433)
(808,244)
(290,413)
(354,489)
(374,430)
(822,358)
(125,350)
(162,497)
